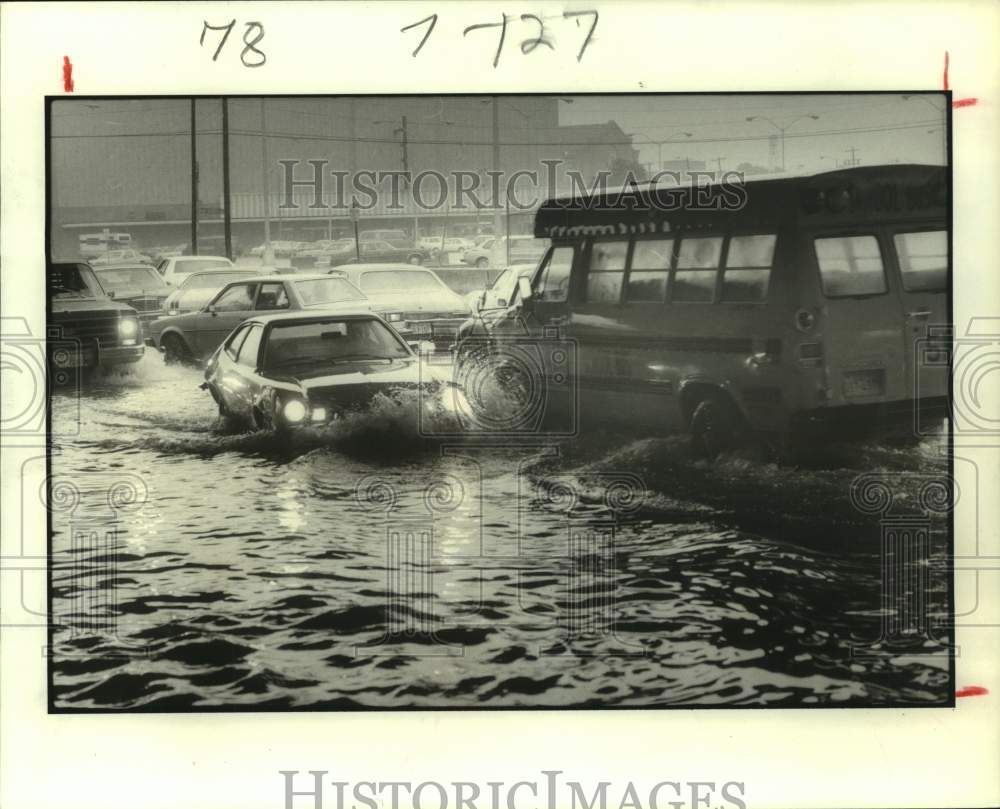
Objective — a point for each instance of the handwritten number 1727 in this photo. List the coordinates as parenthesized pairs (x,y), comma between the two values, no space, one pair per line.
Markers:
(251,56)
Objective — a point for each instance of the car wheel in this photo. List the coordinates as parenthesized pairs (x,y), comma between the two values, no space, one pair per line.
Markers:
(716,427)
(482,263)
(175,350)
(416,259)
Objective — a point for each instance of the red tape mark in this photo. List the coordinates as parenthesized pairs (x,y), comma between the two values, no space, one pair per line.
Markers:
(67,75)
(962,102)
(972,691)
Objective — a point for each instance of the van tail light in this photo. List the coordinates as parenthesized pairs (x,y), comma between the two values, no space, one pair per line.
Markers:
(810,353)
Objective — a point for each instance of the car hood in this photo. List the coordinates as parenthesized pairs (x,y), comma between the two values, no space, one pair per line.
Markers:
(68,306)
(430,302)
(353,385)
(156,292)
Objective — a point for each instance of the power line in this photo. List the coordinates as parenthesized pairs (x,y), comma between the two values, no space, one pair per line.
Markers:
(485,143)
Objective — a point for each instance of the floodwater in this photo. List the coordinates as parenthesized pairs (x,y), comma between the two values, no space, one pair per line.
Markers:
(195,567)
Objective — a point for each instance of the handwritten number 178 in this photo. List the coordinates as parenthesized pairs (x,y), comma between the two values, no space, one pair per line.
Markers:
(251,56)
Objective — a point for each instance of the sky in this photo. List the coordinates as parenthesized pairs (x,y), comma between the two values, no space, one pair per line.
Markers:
(887,127)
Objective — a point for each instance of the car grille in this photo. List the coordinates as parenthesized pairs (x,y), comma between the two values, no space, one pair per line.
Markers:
(88,327)
(145,303)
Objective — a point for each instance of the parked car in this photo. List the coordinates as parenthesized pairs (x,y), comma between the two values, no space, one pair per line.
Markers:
(176,268)
(123,256)
(479,255)
(195,335)
(499,293)
(138,285)
(199,288)
(283,248)
(394,236)
(522,250)
(380,251)
(285,371)
(94,330)
(430,309)
(321,252)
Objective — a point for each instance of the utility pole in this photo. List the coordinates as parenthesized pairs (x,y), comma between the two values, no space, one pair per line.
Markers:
(194,182)
(227,223)
(268,253)
(497,215)
(854,160)
(404,143)
(719,161)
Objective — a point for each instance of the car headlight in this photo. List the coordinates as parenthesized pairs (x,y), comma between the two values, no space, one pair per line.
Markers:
(128,327)
(394,317)
(294,411)
(319,414)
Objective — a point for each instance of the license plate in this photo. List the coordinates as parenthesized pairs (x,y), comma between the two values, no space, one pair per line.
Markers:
(864,383)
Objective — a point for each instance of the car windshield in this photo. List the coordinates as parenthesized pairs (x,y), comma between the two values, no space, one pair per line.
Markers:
(130,278)
(331,341)
(68,282)
(399,281)
(190,265)
(327,290)
(215,280)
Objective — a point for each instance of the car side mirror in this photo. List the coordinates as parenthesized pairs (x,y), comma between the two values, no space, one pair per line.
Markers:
(211,310)
(524,288)
(111,293)
(501,301)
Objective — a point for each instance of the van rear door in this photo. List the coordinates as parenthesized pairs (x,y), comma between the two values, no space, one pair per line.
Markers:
(922,259)
(861,323)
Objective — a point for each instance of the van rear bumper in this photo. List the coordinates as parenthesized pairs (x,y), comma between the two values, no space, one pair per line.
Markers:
(905,417)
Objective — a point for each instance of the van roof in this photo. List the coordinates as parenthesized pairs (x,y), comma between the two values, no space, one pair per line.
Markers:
(897,191)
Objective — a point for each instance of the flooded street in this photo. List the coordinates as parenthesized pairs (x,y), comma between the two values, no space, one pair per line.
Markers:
(365,567)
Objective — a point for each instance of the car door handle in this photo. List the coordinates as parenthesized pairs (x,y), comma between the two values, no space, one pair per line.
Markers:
(919,313)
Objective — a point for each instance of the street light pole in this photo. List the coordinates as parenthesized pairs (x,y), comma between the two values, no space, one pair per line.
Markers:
(194,181)
(782,129)
(497,215)
(268,252)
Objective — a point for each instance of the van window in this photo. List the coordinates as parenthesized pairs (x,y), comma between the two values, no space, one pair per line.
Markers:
(606,271)
(554,285)
(850,265)
(697,268)
(923,260)
(647,278)
(748,268)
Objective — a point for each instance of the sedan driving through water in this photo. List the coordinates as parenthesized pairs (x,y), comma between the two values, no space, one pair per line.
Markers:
(283,371)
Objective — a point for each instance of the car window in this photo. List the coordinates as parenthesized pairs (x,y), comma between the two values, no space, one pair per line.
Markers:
(189,265)
(234,342)
(251,346)
(923,260)
(272,296)
(647,278)
(850,265)
(135,278)
(327,290)
(748,268)
(553,284)
(330,341)
(697,268)
(606,271)
(238,298)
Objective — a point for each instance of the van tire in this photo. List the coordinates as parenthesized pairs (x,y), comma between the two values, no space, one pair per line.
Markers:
(416,259)
(716,427)
(482,263)
(175,350)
